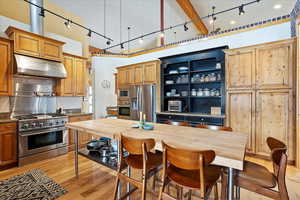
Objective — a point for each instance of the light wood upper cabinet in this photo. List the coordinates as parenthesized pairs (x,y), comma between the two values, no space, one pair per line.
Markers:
(275,65)
(74,84)
(80,77)
(8,143)
(275,119)
(240,112)
(5,67)
(27,44)
(240,66)
(138,74)
(151,72)
(52,50)
(35,45)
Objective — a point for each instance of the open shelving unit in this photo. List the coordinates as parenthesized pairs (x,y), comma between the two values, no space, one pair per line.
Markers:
(202,63)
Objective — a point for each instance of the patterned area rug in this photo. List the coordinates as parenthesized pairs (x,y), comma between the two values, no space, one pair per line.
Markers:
(33,185)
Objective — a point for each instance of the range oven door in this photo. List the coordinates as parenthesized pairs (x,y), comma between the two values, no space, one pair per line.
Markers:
(38,141)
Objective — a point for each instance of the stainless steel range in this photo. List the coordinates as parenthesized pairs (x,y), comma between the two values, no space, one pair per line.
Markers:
(41,137)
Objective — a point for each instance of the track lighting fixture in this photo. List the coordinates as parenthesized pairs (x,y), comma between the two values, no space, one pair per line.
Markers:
(42,13)
(185,27)
(68,24)
(241,10)
(141,40)
(108,42)
(122,46)
(162,34)
(89,33)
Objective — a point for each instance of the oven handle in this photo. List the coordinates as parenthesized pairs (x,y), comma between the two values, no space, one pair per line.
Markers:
(42,132)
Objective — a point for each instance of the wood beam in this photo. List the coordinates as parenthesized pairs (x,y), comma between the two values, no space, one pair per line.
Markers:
(190,11)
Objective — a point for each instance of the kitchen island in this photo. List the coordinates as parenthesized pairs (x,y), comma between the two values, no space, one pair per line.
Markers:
(228,146)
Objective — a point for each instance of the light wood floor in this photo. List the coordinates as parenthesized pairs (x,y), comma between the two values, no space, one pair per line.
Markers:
(97,182)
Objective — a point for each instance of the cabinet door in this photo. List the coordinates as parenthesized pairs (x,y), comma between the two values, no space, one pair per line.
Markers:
(150,72)
(275,66)
(66,87)
(130,76)
(26,44)
(8,143)
(80,76)
(138,74)
(52,50)
(240,69)
(240,112)
(275,119)
(122,76)
(5,69)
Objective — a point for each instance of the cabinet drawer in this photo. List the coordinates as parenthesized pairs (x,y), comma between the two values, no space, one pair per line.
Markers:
(87,117)
(194,120)
(8,127)
(26,44)
(52,51)
(163,118)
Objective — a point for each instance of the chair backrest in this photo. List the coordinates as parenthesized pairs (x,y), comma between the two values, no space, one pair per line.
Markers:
(187,159)
(177,123)
(215,128)
(135,146)
(278,157)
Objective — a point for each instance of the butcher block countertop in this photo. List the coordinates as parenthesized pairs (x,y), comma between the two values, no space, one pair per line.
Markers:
(228,146)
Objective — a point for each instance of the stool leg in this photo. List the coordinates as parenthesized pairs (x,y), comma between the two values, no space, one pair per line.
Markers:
(128,184)
(153,183)
(144,190)
(116,189)
(162,188)
(216,195)
(238,192)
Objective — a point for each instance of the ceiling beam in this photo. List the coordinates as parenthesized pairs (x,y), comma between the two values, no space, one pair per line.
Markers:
(190,11)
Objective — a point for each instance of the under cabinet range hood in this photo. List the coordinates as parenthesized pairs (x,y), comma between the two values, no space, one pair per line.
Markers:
(26,65)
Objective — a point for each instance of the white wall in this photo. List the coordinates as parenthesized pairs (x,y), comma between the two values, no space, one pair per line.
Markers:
(104,66)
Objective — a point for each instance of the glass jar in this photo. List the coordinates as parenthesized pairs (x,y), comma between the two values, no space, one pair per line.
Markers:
(206,92)
(213,92)
(212,77)
(218,76)
(194,93)
(200,92)
(206,79)
(202,78)
(217,93)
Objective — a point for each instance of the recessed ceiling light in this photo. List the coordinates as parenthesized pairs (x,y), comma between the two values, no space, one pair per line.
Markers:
(232,22)
(277,6)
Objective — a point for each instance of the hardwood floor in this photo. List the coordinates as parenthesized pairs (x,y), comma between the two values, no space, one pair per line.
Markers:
(97,182)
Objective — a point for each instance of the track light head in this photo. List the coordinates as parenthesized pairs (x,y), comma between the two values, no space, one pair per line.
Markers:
(68,24)
(185,27)
(141,40)
(241,10)
(108,42)
(162,34)
(89,33)
(42,13)
(122,46)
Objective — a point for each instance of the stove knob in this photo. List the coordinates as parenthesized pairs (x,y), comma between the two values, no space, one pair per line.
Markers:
(41,124)
(25,126)
(50,123)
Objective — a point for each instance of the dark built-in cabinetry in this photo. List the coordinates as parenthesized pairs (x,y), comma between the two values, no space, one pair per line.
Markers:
(196,82)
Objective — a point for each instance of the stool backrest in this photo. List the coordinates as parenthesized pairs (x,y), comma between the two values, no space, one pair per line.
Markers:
(135,146)
(187,159)
(177,123)
(215,128)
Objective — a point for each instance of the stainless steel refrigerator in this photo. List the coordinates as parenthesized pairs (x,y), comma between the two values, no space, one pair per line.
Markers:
(143,99)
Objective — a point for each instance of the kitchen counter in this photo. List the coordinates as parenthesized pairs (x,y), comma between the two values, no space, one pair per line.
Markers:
(7,120)
(78,114)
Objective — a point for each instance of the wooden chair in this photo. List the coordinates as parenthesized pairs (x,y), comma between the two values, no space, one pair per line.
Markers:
(215,128)
(177,123)
(190,170)
(139,157)
(258,179)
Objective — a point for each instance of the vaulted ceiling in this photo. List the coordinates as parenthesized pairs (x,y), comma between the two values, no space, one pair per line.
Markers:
(143,16)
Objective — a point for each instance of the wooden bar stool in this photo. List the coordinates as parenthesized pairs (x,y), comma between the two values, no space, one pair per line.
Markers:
(139,157)
(258,179)
(190,170)
(215,128)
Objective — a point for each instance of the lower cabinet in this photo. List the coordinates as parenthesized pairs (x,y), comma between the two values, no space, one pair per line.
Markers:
(241,114)
(83,137)
(274,118)
(8,144)
(261,114)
